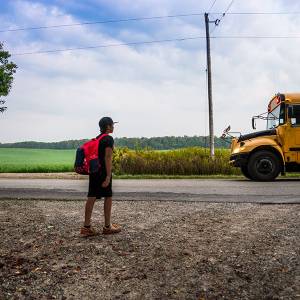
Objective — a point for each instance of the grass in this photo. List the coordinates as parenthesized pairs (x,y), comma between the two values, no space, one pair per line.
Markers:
(18,160)
(193,161)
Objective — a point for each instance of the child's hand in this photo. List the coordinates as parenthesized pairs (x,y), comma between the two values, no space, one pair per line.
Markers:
(106,182)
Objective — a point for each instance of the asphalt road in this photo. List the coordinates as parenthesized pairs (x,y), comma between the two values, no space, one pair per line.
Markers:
(200,190)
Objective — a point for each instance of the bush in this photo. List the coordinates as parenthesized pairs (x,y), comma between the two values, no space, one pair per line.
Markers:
(187,161)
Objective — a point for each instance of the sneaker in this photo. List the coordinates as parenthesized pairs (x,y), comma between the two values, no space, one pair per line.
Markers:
(87,231)
(114,228)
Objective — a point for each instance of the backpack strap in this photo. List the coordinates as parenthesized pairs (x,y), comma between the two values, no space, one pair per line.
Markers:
(102,136)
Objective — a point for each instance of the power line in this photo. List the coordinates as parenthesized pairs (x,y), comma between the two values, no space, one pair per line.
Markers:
(261,13)
(109,45)
(255,37)
(217,22)
(212,5)
(228,7)
(153,42)
(146,18)
(102,22)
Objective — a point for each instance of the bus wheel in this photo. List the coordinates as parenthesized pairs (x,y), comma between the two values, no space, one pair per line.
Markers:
(245,172)
(263,166)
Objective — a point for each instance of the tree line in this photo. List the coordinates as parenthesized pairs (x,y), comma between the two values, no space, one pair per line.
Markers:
(155,143)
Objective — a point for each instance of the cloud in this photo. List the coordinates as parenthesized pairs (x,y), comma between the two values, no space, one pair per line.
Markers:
(153,90)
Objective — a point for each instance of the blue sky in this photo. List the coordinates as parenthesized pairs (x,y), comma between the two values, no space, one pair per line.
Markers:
(153,90)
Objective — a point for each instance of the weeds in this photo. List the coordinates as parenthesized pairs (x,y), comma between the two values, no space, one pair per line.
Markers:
(187,161)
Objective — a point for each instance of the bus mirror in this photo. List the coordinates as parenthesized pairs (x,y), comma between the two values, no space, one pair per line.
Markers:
(227,129)
(253,123)
(290,111)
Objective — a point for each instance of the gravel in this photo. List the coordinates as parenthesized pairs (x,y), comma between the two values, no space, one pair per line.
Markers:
(167,250)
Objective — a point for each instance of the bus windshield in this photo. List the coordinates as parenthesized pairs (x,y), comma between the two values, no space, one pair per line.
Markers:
(276,117)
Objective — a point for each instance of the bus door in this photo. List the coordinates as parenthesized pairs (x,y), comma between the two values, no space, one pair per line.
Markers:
(293,133)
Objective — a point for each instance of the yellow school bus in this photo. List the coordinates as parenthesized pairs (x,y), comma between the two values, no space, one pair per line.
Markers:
(263,155)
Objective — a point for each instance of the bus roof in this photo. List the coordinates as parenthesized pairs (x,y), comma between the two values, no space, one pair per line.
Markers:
(292,97)
(280,97)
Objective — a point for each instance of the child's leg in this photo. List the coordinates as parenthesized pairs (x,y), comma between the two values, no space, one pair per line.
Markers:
(89,205)
(107,210)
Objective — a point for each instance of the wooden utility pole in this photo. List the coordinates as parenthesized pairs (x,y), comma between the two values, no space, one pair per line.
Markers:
(209,87)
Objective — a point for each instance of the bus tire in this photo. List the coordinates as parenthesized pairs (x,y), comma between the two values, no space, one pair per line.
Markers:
(245,172)
(263,165)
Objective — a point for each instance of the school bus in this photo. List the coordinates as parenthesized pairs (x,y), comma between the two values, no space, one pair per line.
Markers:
(263,155)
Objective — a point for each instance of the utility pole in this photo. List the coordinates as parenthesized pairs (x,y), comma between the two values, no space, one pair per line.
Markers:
(209,87)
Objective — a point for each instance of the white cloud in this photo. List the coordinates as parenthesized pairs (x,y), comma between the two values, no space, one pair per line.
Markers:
(153,90)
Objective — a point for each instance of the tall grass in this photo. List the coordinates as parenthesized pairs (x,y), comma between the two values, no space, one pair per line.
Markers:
(187,161)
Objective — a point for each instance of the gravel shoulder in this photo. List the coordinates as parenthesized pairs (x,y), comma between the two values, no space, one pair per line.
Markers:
(167,250)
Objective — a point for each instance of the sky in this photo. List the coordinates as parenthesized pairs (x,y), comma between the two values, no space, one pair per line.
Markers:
(156,89)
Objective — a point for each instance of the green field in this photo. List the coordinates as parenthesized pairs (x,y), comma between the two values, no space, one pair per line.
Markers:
(18,160)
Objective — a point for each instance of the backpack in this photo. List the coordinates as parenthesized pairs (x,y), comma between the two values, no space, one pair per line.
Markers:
(86,160)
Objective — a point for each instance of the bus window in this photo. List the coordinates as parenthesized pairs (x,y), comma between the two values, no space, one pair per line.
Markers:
(295,120)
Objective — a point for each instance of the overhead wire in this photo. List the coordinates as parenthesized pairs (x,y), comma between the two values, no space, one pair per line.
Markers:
(146,18)
(108,45)
(151,42)
(228,7)
(212,5)
(261,13)
(217,22)
(255,37)
(102,22)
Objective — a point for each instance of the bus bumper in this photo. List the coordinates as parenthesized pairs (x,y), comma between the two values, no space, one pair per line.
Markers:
(239,160)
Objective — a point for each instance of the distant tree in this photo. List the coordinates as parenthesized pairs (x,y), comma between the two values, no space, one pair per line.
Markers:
(7,70)
(155,143)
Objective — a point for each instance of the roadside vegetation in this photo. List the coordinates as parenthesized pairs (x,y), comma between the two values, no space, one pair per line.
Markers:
(186,162)
(193,161)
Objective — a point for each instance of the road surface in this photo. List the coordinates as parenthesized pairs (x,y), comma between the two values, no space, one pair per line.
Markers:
(200,190)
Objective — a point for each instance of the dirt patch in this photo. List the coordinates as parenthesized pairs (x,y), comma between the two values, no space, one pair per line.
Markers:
(167,250)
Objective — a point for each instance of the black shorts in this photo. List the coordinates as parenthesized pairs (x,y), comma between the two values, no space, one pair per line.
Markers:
(95,186)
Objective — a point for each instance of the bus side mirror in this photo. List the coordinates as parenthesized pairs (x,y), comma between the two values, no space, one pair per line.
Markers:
(253,123)
(290,112)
